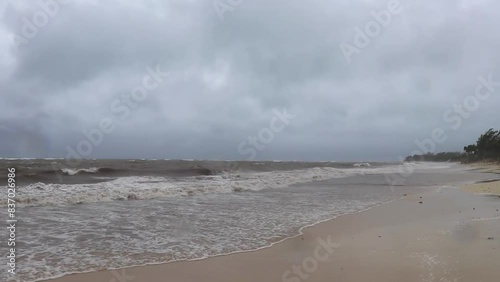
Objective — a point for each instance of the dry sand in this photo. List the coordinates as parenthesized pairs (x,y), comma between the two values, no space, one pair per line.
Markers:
(491,186)
(451,236)
(486,167)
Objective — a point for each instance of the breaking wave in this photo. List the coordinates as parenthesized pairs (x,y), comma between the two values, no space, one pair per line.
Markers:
(70,171)
(151,187)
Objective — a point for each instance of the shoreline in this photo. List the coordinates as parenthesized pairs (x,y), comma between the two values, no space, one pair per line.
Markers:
(364,228)
(301,231)
(372,235)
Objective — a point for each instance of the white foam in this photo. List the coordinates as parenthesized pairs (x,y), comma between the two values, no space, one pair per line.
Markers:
(17,159)
(175,229)
(70,171)
(142,188)
(182,228)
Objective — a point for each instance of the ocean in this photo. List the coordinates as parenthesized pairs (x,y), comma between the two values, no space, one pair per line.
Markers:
(109,214)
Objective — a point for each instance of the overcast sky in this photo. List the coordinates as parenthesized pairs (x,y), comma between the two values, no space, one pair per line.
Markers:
(63,67)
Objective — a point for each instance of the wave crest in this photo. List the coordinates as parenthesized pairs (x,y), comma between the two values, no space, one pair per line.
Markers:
(152,187)
(70,171)
(361,164)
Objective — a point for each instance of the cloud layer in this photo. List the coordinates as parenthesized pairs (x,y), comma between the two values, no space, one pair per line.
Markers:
(227,76)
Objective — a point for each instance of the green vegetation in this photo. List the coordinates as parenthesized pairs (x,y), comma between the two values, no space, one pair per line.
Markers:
(439,157)
(487,148)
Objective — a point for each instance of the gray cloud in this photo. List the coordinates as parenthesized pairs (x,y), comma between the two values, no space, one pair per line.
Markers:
(226,77)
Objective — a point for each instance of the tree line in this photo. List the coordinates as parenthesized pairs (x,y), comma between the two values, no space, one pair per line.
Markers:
(486,148)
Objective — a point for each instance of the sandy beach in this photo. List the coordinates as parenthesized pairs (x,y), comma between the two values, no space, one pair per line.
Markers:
(439,233)
(489,186)
(487,167)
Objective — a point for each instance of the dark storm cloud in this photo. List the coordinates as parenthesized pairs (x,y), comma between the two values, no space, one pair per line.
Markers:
(227,76)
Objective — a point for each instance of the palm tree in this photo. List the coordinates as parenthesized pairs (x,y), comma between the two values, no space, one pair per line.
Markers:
(488,144)
(470,150)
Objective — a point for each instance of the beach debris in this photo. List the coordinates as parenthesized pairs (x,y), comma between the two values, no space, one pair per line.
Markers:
(420,202)
(405,195)
(491,238)
(473,208)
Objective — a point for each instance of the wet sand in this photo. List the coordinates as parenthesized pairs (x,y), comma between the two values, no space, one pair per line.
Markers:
(436,234)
